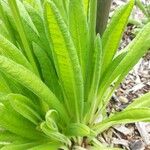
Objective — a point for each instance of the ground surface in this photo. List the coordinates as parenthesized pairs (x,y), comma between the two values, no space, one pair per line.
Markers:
(131,136)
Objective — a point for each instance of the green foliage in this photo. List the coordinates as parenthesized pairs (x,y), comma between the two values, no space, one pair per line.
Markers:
(57,74)
(139,23)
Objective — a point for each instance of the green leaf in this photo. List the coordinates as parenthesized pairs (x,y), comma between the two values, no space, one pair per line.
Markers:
(48,146)
(79,30)
(141,6)
(137,48)
(11,51)
(104,79)
(113,33)
(36,4)
(25,107)
(66,61)
(30,23)
(97,60)
(18,146)
(25,16)
(6,136)
(115,62)
(92,20)
(62,6)
(23,35)
(96,69)
(77,129)
(33,83)
(5,20)
(127,116)
(38,21)
(4,87)
(92,34)
(142,101)
(86,6)
(54,135)
(4,31)
(51,120)
(13,122)
(18,88)
(49,75)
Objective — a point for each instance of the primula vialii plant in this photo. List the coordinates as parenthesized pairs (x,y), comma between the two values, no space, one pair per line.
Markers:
(57,75)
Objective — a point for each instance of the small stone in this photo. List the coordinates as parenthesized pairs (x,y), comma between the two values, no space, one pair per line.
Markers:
(123,99)
(136,145)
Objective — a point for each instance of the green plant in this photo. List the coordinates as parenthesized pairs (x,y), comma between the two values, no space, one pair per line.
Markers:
(145,9)
(57,75)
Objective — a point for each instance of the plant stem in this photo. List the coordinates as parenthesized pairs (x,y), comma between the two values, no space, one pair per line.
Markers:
(103,8)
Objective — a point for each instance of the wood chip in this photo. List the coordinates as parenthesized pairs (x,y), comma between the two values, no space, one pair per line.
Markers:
(141,126)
